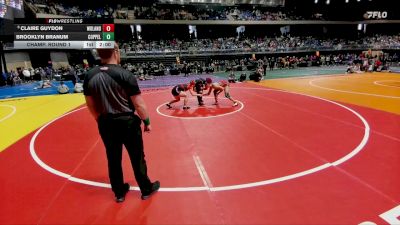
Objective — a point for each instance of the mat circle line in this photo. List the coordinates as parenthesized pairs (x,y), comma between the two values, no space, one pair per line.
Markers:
(311,83)
(345,158)
(378,82)
(14,110)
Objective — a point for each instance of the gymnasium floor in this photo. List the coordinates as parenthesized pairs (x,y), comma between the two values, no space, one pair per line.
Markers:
(298,150)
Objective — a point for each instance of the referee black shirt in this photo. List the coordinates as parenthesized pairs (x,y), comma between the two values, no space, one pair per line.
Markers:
(111,87)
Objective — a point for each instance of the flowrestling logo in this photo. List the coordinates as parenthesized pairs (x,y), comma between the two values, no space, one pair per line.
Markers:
(375,15)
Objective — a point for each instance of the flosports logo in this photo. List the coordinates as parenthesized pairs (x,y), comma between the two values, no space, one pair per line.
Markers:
(375,15)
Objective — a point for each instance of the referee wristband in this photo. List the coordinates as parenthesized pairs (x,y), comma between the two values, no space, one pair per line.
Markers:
(146,121)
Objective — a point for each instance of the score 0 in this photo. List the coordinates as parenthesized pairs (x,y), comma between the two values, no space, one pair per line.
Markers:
(108,27)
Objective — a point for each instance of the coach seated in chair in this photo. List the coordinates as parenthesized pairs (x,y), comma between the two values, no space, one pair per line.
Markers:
(385,68)
(256,76)
(209,69)
(174,71)
(232,77)
(62,88)
(242,77)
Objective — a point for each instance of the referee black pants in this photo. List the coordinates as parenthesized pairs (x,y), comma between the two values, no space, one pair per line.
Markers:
(122,129)
(199,90)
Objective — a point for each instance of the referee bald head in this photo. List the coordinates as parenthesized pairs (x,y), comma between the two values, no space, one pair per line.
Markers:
(110,55)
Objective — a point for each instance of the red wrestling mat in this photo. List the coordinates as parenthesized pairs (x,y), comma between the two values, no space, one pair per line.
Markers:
(277,158)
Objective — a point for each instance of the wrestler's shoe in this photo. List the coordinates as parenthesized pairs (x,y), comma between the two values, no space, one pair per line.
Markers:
(168,105)
(121,198)
(235,104)
(186,107)
(154,188)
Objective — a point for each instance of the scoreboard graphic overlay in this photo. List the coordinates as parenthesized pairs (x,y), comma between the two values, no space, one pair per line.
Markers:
(63,33)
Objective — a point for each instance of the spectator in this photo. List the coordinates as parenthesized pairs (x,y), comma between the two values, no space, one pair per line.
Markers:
(78,88)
